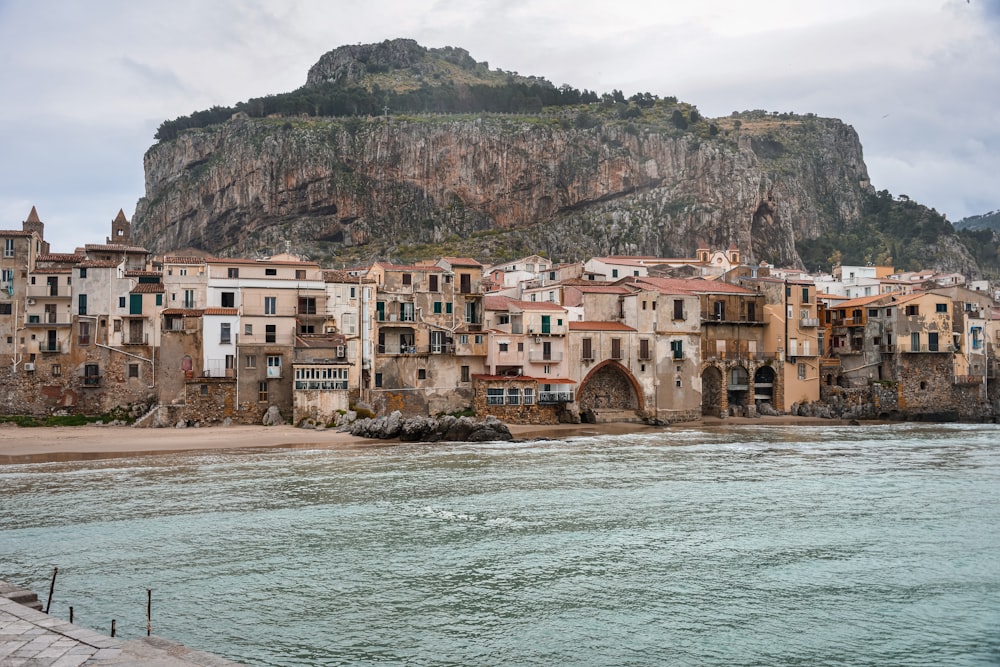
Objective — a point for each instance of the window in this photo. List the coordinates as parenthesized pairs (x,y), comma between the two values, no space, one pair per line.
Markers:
(251,361)
(270,305)
(432,283)
(8,247)
(406,312)
(307,305)
(719,310)
(225,334)
(82,304)
(465,373)
(84,335)
(270,333)
(752,311)
(133,370)
(83,273)
(262,391)
(121,302)
(802,371)
(56,370)
(677,349)
(247,329)
(477,339)
(159,299)
(873,312)
(513,396)
(465,283)
(463,339)
(229,299)
(644,348)
(189,298)
(118,326)
(614,273)
(300,274)
(274,366)
(378,379)
(494,396)
(529,396)
(182,272)
(520,347)
(805,295)
(915,341)
(616,348)
(941,307)
(503,346)
(438,307)
(932,341)
(232,272)
(587,349)
(407,279)
(307,329)
(91,375)
(5,309)
(421,373)
(447,308)
(912,310)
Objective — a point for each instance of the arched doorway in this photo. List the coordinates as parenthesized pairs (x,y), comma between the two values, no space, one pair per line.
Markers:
(711,391)
(609,387)
(738,387)
(763,385)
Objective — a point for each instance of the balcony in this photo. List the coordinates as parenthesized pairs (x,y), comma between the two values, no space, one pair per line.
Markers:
(970,379)
(807,322)
(549,397)
(51,348)
(540,357)
(887,349)
(48,292)
(92,381)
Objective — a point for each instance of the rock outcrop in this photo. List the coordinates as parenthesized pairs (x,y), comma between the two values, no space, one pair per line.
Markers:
(431,429)
(495,185)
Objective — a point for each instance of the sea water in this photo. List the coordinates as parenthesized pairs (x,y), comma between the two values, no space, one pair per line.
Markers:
(870,545)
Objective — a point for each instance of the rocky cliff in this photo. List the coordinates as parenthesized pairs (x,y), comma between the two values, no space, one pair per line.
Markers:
(566,182)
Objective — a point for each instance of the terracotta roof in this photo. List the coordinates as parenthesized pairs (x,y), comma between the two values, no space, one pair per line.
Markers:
(121,216)
(496,302)
(39,271)
(114,247)
(60,257)
(135,273)
(187,312)
(624,261)
(15,232)
(222,311)
(177,259)
(148,288)
(33,216)
(599,326)
(461,261)
(864,301)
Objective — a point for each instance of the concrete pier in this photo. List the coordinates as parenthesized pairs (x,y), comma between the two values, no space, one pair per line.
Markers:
(29,637)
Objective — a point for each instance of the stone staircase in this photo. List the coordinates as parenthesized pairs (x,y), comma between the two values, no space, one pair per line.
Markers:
(20,595)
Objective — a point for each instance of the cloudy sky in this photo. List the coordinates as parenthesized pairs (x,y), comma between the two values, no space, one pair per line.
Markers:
(85,83)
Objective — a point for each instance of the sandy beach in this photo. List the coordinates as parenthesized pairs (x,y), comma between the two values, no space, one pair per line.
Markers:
(29,445)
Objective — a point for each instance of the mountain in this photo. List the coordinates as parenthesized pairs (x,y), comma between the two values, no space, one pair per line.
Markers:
(397,151)
(977,222)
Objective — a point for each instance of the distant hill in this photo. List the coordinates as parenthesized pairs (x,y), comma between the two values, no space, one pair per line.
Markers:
(984,221)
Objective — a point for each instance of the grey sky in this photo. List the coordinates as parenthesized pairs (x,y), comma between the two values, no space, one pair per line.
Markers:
(86,84)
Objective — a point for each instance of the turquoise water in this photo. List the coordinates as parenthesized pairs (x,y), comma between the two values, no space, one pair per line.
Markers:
(866,545)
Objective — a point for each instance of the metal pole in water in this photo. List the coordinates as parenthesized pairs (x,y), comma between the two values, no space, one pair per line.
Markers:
(71,614)
(149,611)
(112,627)
(52,587)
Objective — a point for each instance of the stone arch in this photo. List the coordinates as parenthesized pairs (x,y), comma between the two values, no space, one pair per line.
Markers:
(764,385)
(738,386)
(711,391)
(610,386)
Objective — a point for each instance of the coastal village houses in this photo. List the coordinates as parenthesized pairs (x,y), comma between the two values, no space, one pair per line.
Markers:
(111,329)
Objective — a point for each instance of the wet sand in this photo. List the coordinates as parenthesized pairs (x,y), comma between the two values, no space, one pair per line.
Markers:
(63,443)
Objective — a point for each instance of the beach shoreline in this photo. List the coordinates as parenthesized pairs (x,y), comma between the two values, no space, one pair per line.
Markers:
(69,443)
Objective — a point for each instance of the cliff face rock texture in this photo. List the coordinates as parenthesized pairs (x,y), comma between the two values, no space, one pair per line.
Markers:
(497,186)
